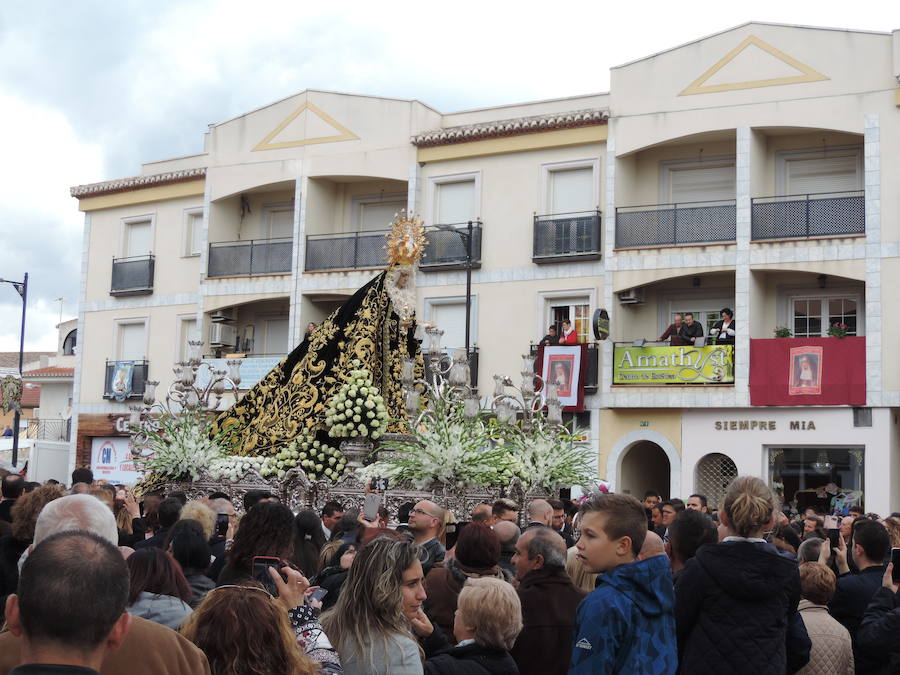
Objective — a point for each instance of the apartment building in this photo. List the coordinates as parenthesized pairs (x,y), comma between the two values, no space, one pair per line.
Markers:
(743,170)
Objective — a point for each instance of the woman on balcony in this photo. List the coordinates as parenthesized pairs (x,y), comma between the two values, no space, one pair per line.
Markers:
(723,331)
(569,334)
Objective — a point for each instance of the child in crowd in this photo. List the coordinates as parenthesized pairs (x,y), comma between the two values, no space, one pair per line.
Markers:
(626,625)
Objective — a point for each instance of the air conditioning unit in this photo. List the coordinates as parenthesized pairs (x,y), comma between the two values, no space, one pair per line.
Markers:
(221,315)
(632,296)
(222,335)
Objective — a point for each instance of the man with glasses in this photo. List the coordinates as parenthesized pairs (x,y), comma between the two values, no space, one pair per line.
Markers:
(425,522)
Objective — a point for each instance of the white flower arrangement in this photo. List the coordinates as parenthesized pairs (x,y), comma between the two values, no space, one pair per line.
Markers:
(180,447)
(448,448)
(234,467)
(318,460)
(547,457)
(358,407)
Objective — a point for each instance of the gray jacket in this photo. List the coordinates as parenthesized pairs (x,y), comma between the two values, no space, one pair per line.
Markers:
(162,609)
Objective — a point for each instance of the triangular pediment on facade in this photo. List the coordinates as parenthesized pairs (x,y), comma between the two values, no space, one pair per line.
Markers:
(752,64)
(307,125)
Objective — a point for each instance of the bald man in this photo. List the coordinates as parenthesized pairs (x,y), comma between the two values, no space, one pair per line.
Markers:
(653,546)
(508,534)
(481,513)
(539,513)
(425,521)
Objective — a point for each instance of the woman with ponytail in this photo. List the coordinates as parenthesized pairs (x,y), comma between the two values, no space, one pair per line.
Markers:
(736,601)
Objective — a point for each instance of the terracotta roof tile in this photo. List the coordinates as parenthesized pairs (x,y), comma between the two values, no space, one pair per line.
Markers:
(51,371)
(11,359)
(31,396)
(511,127)
(136,182)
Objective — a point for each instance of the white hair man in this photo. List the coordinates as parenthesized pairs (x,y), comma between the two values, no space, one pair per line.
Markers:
(149,648)
(549,602)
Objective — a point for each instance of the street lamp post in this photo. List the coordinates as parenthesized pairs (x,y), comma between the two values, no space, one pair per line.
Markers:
(466,236)
(22,289)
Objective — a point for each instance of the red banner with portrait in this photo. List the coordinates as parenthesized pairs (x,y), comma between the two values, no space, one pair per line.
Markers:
(808,371)
(567,364)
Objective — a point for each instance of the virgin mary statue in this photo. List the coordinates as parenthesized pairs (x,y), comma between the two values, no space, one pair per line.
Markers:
(375,326)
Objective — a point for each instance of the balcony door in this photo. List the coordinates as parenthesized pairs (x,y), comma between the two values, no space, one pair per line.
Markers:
(815,175)
(132,341)
(138,239)
(377,215)
(577,311)
(278,221)
(571,201)
(276,336)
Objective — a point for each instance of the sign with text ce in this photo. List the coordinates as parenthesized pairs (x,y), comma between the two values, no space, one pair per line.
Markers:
(650,365)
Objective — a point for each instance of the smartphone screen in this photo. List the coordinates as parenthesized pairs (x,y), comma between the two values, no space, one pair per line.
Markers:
(221,524)
(831,523)
(261,565)
(370,510)
(318,594)
(895,558)
(834,538)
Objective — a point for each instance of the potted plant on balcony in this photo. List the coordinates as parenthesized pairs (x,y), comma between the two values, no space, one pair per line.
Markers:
(838,330)
(783,332)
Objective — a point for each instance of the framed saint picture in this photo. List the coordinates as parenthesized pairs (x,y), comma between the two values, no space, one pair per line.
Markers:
(806,371)
(562,365)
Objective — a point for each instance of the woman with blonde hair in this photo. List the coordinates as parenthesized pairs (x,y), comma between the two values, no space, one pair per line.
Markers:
(736,601)
(200,511)
(488,620)
(244,631)
(371,624)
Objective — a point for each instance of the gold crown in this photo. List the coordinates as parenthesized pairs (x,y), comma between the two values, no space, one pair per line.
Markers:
(406,240)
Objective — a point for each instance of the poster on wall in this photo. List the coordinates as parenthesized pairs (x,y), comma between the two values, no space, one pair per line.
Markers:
(806,371)
(562,365)
(111,460)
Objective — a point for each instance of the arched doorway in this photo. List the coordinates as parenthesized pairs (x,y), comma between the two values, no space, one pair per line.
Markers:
(645,466)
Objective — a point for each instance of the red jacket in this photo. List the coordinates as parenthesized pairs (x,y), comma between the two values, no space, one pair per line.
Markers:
(570,339)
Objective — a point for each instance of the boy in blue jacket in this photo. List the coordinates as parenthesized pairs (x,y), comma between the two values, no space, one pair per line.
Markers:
(627,624)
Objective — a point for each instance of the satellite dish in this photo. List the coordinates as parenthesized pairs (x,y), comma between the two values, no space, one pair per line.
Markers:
(600,322)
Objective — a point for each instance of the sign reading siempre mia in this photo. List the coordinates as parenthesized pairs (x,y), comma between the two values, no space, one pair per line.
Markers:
(673,365)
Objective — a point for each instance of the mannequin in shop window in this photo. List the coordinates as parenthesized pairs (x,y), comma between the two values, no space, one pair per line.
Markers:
(569,335)
(723,331)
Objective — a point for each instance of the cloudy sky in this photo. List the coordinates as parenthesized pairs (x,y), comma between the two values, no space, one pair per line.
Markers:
(90,89)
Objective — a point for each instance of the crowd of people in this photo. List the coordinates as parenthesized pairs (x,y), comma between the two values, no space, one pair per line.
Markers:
(95,580)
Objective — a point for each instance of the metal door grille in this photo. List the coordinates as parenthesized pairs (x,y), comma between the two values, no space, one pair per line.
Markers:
(714,474)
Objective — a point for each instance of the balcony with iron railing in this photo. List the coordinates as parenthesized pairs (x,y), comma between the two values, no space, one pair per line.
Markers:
(565,237)
(132,276)
(445,247)
(49,429)
(824,214)
(114,371)
(250,257)
(345,251)
(706,222)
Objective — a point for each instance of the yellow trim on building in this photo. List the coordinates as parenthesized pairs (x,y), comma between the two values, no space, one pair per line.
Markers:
(344,135)
(521,143)
(808,74)
(139,196)
(897,97)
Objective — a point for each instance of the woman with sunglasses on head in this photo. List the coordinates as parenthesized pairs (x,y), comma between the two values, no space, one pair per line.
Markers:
(243,630)
(371,624)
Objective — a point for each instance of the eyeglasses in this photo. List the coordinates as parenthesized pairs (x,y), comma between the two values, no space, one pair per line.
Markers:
(422,513)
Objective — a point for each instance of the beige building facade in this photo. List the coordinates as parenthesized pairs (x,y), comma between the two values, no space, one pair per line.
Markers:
(750,169)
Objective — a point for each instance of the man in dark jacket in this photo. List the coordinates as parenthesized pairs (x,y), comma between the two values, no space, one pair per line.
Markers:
(12,488)
(549,602)
(169,513)
(878,637)
(870,544)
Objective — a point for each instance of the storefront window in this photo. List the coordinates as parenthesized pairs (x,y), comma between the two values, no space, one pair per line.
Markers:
(825,478)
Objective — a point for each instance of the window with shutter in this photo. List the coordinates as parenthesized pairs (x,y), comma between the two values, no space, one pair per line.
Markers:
(823,174)
(132,341)
(701,184)
(571,190)
(138,238)
(455,202)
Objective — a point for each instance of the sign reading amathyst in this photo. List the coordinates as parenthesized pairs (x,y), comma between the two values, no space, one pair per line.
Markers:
(673,365)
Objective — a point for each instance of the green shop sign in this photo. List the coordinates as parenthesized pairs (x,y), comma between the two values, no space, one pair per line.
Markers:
(673,365)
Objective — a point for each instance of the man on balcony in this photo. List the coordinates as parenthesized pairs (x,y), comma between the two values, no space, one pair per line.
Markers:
(690,329)
(569,335)
(673,333)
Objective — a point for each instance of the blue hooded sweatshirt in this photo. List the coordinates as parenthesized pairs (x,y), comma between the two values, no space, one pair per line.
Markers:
(627,624)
